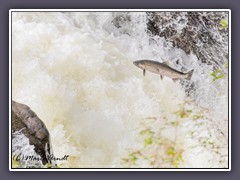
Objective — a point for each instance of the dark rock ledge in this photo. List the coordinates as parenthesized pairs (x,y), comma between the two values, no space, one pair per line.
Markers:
(24,120)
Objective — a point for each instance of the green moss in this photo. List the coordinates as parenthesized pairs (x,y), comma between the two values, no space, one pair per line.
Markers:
(226,65)
(177,160)
(146,132)
(211,143)
(156,149)
(184,113)
(171,151)
(218,74)
(148,141)
(224,23)
(133,157)
(196,117)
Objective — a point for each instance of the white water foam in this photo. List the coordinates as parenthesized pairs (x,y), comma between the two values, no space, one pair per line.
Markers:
(75,71)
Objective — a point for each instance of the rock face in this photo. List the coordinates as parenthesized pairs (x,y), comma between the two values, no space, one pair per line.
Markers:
(26,121)
(193,32)
(199,33)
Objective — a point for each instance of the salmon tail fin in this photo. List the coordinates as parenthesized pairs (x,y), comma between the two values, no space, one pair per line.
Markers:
(190,73)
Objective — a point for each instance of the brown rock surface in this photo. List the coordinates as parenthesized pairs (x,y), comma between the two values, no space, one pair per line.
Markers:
(24,119)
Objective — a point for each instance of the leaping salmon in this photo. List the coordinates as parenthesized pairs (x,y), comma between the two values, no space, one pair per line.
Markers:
(162,69)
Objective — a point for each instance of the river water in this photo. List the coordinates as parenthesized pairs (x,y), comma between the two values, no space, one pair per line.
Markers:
(75,70)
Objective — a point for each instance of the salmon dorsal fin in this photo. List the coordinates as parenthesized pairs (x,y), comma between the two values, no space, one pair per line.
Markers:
(168,63)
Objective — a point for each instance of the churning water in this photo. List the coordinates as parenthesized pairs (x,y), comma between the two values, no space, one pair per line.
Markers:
(75,70)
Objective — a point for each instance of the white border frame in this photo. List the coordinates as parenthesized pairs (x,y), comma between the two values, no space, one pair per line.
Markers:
(118,10)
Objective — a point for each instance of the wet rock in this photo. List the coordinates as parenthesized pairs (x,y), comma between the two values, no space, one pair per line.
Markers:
(24,120)
(193,32)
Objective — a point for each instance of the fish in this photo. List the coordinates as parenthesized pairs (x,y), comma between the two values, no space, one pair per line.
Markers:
(162,69)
